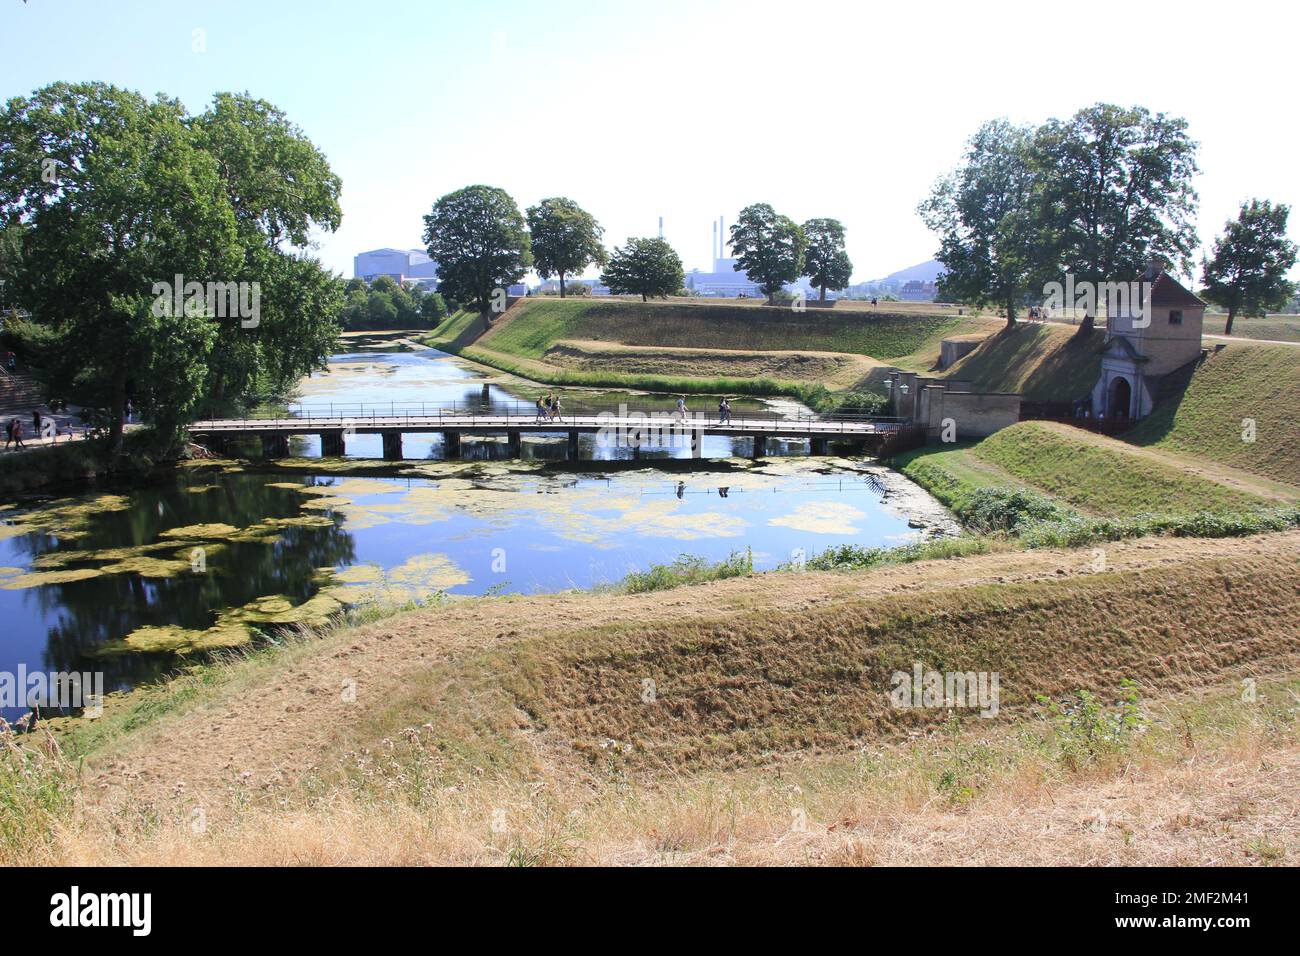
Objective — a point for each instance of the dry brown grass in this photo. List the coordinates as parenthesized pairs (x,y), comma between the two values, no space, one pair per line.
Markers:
(493,732)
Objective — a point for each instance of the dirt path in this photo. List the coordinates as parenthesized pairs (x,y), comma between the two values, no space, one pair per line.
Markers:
(283,720)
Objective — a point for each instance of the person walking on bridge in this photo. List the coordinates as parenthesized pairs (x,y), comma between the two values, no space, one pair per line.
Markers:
(724,411)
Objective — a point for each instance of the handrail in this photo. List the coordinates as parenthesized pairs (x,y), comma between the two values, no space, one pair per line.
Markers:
(527,412)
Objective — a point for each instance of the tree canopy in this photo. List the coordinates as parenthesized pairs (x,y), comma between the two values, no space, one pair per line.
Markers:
(769,247)
(477,237)
(1247,275)
(1096,196)
(826,263)
(565,239)
(119,197)
(990,244)
(644,267)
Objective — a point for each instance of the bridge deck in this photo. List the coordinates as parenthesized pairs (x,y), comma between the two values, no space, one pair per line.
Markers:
(495,424)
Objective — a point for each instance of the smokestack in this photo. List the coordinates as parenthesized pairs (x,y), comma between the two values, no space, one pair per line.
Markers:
(661,227)
(713,245)
(722,238)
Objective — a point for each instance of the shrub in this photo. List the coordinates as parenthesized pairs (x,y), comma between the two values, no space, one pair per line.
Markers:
(992,510)
(688,569)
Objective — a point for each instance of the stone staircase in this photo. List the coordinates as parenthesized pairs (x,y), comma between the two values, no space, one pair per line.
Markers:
(19,394)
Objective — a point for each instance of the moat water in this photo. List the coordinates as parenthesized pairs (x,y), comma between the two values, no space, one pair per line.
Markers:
(134,581)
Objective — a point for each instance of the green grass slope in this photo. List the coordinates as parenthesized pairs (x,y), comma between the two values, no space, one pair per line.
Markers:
(1043,362)
(1243,381)
(541,323)
(1089,473)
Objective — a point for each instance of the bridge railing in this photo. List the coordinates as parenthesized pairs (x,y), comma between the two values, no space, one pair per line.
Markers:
(526,413)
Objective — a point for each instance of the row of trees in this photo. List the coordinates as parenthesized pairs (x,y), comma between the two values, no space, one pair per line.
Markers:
(1098,196)
(384,304)
(482,242)
(104,194)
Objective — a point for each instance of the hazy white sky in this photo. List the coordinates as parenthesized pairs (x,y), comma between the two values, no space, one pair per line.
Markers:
(688,110)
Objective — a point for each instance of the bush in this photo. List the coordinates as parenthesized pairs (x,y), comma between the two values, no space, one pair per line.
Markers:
(1085,730)
(993,510)
(688,569)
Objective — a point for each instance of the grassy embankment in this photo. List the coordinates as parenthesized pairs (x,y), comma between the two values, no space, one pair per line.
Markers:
(817,357)
(1243,381)
(496,732)
(1277,328)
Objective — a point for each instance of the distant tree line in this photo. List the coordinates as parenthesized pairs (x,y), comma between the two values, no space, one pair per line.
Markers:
(483,243)
(384,304)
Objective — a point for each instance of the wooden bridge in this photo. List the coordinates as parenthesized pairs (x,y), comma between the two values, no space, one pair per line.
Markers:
(334,424)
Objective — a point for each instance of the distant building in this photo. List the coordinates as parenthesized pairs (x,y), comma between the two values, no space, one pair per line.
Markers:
(724,280)
(553,286)
(919,291)
(402,265)
(1145,344)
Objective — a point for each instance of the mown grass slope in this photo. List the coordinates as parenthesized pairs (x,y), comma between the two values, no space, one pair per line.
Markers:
(537,325)
(1259,383)
(1090,473)
(542,338)
(1043,362)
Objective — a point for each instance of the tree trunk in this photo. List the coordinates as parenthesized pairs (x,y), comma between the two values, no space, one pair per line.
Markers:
(561,285)
(823,295)
(643,297)
(117,414)
(1232,314)
(1011,313)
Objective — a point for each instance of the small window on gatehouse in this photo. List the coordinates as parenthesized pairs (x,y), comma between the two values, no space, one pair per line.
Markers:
(1175,316)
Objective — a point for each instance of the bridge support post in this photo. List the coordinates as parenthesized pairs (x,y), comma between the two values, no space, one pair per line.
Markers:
(275,446)
(331,445)
(392,446)
(573,446)
(760,446)
(697,442)
(451,445)
(819,446)
(514,443)
(487,393)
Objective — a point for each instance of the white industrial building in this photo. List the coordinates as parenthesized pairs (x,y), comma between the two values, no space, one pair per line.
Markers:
(402,265)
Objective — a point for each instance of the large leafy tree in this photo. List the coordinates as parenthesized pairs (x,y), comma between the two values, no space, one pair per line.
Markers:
(1117,190)
(644,267)
(281,190)
(1247,275)
(565,239)
(985,215)
(769,247)
(477,237)
(826,262)
(115,194)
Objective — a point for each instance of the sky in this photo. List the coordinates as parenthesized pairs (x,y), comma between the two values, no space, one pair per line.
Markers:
(687,109)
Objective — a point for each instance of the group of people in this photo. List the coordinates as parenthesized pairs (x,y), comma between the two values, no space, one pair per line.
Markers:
(548,408)
(724,409)
(42,426)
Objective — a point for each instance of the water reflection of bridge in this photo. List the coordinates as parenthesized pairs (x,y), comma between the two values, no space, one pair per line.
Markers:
(624,427)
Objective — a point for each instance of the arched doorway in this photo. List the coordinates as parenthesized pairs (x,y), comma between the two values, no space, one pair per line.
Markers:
(1121,398)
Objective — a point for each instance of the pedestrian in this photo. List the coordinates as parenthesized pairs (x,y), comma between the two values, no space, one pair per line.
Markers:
(555,409)
(11,361)
(724,411)
(15,433)
(541,409)
(36,423)
(681,407)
